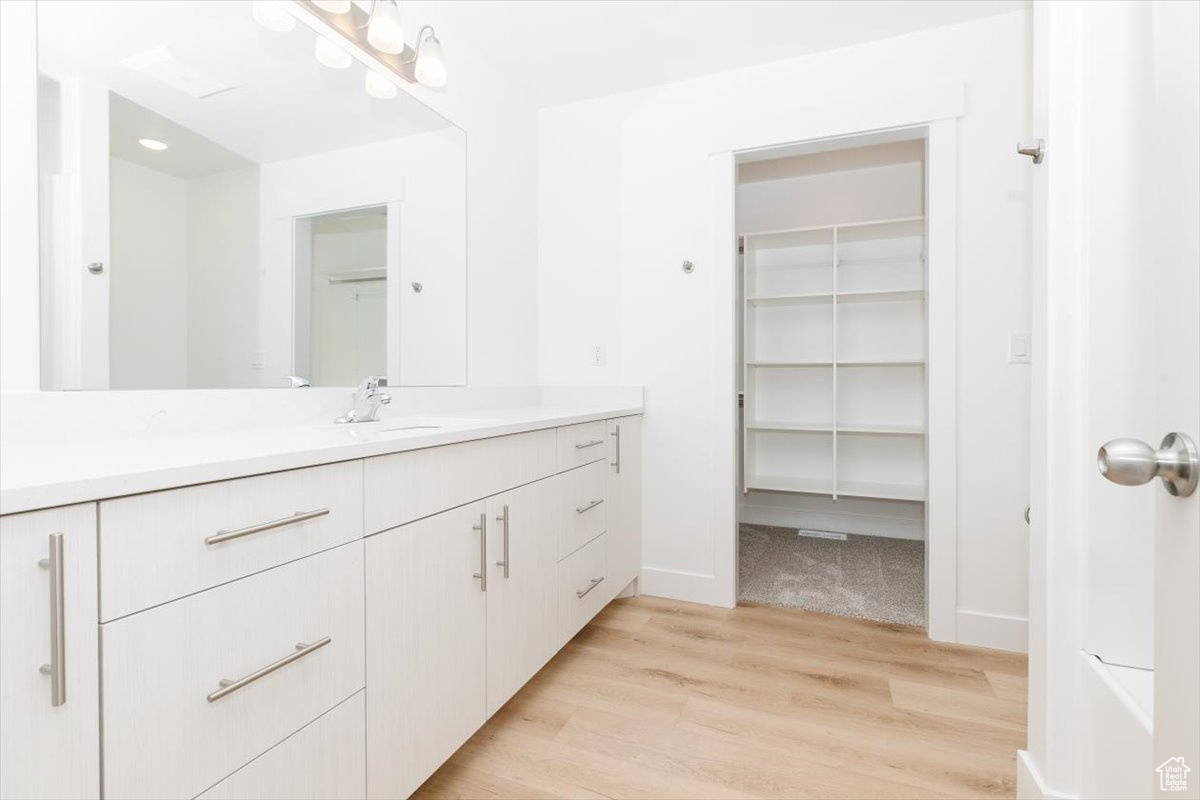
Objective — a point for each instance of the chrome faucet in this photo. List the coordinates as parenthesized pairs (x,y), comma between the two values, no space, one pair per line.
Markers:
(367,401)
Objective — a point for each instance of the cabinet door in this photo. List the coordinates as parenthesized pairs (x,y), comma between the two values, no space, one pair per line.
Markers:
(625,502)
(426,646)
(521,610)
(49,745)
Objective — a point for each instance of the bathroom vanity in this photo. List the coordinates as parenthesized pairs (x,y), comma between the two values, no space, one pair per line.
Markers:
(251,628)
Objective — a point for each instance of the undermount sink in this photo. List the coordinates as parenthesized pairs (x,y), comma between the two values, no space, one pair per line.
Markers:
(425,424)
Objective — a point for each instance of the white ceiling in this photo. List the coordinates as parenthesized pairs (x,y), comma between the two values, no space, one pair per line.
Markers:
(565,51)
(278,102)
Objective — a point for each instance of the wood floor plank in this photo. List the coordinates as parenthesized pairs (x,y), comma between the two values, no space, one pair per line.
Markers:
(657,698)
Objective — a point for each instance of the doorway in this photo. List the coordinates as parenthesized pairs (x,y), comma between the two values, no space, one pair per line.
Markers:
(834,333)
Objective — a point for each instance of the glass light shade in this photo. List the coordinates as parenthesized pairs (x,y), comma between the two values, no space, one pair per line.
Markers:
(379,86)
(272,16)
(333,6)
(331,55)
(430,69)
(384,31)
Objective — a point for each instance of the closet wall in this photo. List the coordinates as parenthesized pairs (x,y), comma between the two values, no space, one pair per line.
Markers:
(832,376)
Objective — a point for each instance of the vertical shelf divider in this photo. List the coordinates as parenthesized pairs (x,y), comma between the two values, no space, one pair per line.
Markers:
(749,289)
(833,358)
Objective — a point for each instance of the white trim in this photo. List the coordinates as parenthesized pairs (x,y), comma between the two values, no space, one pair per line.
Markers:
(1029,781)
(941,375)
(690,587)
(998,631)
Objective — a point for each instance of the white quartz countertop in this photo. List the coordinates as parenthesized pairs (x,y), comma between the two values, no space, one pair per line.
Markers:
(34,475)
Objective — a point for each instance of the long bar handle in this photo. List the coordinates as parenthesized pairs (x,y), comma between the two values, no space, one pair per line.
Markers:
(617,435)
(588,507)
(299,516)
(57,668)
(228,687)
(504,518)
(482,574)
(592,443)
(583,592)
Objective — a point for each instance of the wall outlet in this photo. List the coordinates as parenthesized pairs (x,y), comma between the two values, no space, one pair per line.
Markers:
(1019,348)
(598,357)
(258,360)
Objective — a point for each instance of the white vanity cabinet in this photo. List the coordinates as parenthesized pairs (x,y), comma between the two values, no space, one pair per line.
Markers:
(49,698)
(426,646)
(336,630)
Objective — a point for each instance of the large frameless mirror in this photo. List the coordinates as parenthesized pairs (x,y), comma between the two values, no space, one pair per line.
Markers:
(226,203)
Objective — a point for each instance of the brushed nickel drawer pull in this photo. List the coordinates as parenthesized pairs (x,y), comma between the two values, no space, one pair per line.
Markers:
(588,507)
(299,516)
(482,574)
(57,668)
(616,434)
(504,518)
(595,582)
(592,443)
(228,687)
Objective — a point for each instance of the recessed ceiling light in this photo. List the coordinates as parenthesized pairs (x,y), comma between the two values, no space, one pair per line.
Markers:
(152,144)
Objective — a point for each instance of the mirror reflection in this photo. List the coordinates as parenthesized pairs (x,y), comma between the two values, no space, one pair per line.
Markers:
(226,205)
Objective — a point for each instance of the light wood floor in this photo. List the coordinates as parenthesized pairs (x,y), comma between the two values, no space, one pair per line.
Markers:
(658,698)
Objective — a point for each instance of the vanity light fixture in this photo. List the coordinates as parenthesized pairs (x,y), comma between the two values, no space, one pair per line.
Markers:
(430,67)
(380,34)
(152,144)
(329,54)
(379,86)
(272,16)
(384,31)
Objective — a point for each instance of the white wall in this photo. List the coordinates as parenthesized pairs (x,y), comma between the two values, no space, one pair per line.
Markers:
(148,279)
(223,278)
(625,196)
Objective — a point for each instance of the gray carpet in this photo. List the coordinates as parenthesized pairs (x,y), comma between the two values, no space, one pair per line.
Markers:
(865,576)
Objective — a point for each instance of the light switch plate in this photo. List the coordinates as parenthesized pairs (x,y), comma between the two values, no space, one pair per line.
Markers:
(1019,348)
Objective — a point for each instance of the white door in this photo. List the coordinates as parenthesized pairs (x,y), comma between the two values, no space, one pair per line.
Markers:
(624,502)
(1121,360)
(49,735)
(522,610)
(426,646)
(1176,352)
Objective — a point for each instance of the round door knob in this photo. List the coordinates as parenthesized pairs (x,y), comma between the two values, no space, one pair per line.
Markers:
(1132,462)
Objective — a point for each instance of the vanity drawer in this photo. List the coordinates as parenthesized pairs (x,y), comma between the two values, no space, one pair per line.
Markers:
(167,734)
(581,587)
(324,760)
(160,546)
(582,444)
(582,507)
(404,487)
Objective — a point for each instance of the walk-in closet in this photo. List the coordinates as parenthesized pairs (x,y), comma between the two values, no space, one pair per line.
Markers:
(832,303)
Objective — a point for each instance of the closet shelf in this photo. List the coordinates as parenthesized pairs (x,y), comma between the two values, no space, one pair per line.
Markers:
(788,364)
(787,483)
(881,491)
(789,427)
(881,363)
(881,296)
(791,299)
(881,429)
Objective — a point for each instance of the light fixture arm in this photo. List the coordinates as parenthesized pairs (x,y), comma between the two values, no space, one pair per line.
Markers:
(417,44)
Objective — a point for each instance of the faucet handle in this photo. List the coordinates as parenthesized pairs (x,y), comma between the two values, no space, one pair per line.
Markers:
(371,383)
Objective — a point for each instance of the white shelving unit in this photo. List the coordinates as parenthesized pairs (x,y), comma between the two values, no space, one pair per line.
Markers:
(834,353)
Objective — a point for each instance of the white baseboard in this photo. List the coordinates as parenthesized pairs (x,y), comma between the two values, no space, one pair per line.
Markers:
(1029,781)
(690,587)
(997,631)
